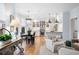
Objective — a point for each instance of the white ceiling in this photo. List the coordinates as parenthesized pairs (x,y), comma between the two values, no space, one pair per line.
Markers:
(43,9)
(52,6)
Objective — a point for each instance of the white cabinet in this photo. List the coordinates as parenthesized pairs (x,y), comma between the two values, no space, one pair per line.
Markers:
(49,44)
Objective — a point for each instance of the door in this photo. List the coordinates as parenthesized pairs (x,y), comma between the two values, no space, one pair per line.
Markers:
(74,28)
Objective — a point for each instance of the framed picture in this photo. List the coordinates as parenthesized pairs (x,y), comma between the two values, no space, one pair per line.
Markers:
(3,25)
(12,28)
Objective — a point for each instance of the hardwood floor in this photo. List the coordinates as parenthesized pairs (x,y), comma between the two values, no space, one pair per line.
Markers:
(34,49)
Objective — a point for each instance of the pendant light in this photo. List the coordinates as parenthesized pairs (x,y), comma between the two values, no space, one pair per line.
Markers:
(49,19)
(28,17)
(56,21)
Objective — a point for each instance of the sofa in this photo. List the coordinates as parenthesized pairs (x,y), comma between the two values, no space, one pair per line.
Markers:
(68,51)
(52,45)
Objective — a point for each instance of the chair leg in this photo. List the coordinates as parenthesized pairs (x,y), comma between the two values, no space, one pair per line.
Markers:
(28,41)
(33,41)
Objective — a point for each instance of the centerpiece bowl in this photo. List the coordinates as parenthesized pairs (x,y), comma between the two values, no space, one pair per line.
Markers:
(5,38)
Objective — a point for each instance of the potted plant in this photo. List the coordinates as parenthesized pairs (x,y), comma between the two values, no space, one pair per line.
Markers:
(5,37)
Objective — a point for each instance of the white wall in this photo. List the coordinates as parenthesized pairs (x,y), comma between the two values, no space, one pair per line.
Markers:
(75,13)
(2,12)
(66,26)
(67,16)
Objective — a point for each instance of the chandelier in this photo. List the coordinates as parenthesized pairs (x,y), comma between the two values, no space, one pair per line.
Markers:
(28,17)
